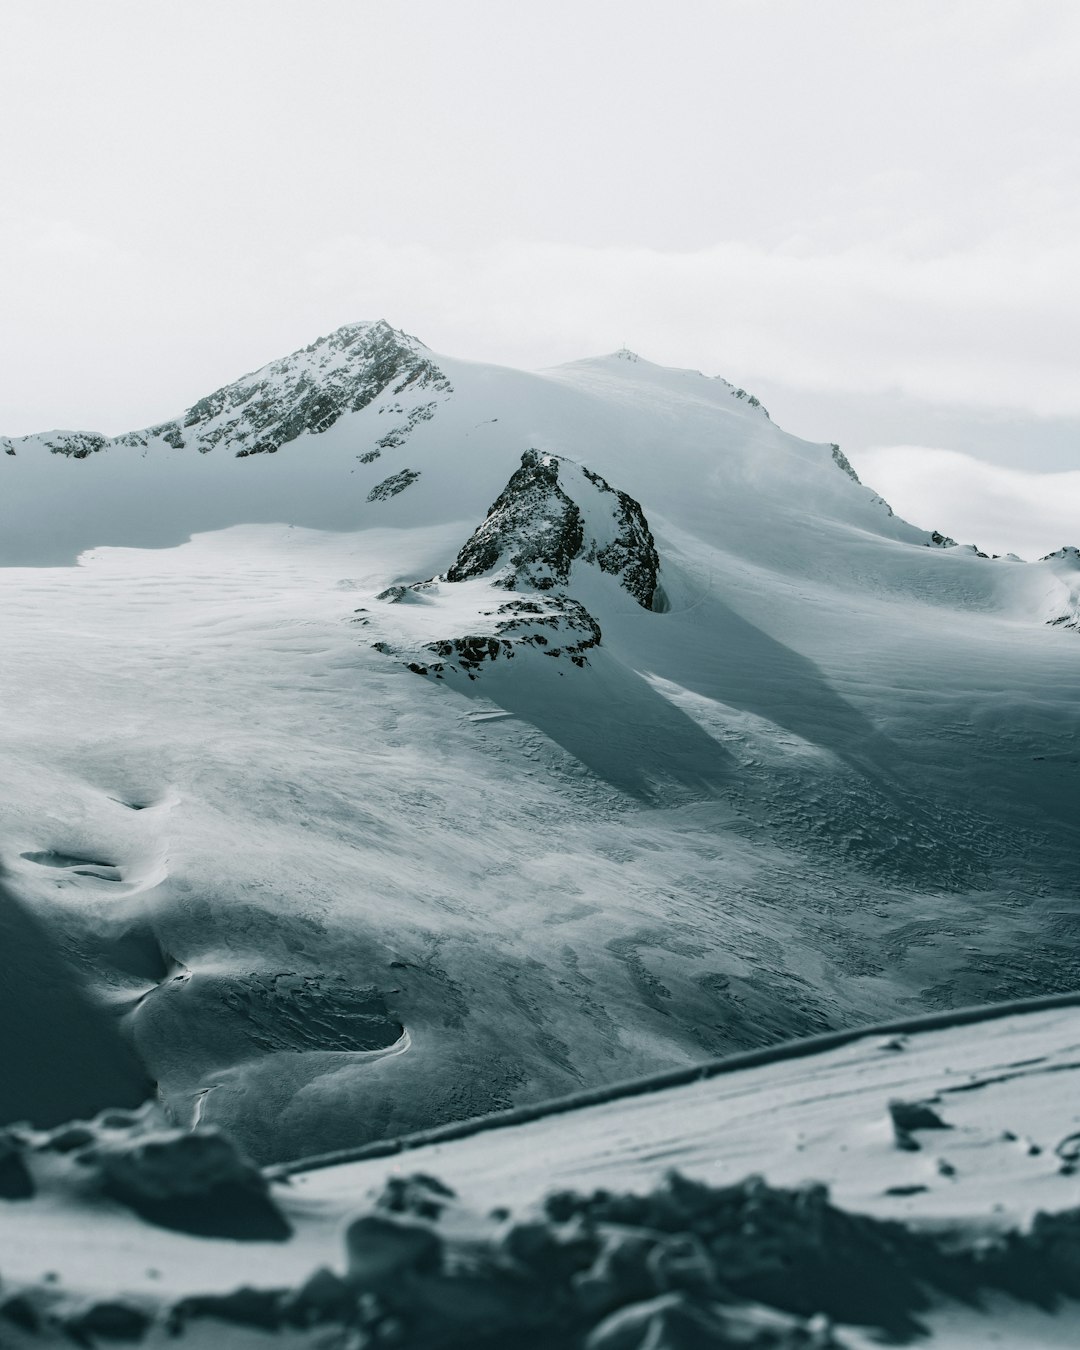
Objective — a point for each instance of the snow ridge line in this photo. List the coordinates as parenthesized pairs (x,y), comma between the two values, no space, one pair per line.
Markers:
(801,1048)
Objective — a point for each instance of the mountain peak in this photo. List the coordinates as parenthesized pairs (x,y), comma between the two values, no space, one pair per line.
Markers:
(306,391)
(552,516)
(553,513)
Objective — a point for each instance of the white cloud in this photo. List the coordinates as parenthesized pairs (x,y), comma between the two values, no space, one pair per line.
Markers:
(993,326)
(1001,509)
(839,197)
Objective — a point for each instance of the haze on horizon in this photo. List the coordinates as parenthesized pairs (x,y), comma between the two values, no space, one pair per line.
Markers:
(869,215)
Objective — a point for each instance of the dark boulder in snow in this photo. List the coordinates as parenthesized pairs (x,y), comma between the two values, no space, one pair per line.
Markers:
(195,1181)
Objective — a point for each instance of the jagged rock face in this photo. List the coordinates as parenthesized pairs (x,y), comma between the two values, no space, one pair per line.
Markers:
(304,392)
(750,399)
(556,625)
(310,390)
(552,514)
(844,464)
(390,487)
(536,530)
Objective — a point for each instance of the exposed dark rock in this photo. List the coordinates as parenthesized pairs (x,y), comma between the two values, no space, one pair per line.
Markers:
(551,515)
(788,1249)
(907,1117)
(687,1266)
(261,1308)
(532,527)
(305,392)
(745,397)
(379,1250)
(309,390)
(397,436)
(195,1181)
(843,463)
(111,1320)
(535,531)
(420,1195)
(76,444)
(323,1297)
(569,630)
(21,1311)
(390,487)
(631,555)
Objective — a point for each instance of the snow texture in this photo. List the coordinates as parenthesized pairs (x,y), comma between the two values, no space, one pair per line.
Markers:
(792,767)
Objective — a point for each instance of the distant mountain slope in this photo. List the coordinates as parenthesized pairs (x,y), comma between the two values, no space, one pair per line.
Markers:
(366,416)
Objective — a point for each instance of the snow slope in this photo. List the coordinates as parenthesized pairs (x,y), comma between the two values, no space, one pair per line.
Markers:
(1001,1086)
(814,769)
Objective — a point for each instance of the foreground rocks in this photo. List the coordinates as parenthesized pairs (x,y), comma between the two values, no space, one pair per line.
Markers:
(197,1182)
(686,1265)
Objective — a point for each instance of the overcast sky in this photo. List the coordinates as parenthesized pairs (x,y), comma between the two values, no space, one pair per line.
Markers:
(869,213)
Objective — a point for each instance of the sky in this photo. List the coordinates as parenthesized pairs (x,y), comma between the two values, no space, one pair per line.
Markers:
(868,214)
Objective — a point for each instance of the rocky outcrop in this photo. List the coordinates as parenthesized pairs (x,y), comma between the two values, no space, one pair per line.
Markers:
(844,464)
(683,1265)
(195,1181)
(556,625)
(751,400)
(390,487)
(553,513)
(309,390)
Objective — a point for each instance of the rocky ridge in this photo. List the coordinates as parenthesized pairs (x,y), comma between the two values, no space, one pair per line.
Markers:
(553,514)
(305,392)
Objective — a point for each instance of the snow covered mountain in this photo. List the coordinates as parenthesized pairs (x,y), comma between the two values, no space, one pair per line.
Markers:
(415,737)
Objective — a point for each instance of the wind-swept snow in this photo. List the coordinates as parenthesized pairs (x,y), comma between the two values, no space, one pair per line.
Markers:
(810,768)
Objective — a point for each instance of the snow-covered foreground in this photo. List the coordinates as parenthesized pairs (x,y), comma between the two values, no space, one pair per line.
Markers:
(817,769)
(1002,1090)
